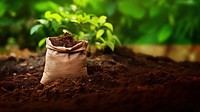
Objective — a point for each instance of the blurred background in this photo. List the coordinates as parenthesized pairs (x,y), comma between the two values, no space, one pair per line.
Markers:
(157,27)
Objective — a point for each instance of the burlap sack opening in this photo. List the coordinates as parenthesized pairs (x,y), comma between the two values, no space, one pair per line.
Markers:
(64,62)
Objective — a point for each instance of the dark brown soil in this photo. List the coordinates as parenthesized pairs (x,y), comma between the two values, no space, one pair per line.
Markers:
(119,81)
(66,41)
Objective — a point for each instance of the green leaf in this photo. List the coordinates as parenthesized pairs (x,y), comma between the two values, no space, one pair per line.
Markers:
(112,37)
(35,29)
(75,21)
(109,25)
(94,21)
(102,19)
(55,25)
(80,17)
(43,21)
(100,46)
(99,33)
(164,33)
(131,8)
(117,40)
(57,17)
(110,45)
(81,35)
(47,14)
(102,39)
(109,34)
(41,42)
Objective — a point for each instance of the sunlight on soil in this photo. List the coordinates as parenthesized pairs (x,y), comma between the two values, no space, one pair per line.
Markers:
(14,51)
(175,52)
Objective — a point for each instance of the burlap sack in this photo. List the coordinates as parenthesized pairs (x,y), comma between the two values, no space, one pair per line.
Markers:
(64,62)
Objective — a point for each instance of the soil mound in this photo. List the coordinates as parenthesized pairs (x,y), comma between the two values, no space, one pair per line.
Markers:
(118,81)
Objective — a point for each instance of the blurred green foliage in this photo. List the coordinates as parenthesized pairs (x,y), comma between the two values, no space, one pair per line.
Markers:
(134,21)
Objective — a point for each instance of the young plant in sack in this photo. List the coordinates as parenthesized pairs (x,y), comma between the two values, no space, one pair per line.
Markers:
(65,57)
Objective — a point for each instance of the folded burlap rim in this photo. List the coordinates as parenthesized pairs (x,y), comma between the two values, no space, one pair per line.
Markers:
(80,46)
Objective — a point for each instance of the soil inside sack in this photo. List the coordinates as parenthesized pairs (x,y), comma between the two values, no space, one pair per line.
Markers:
(66,41)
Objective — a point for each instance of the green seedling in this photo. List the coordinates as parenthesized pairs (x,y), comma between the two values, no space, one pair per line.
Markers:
(96,30)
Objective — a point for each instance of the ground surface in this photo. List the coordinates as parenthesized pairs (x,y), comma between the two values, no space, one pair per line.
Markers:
(120,81)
